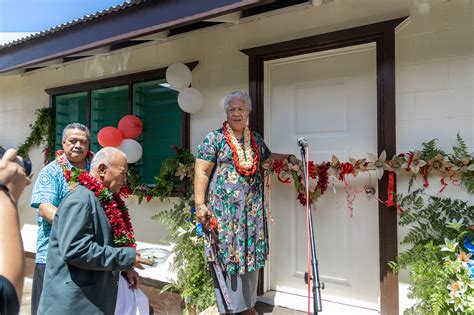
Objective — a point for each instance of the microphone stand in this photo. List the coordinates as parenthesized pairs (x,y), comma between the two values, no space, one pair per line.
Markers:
(314,261)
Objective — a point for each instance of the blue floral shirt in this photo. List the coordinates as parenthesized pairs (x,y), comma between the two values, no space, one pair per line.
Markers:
(50,187)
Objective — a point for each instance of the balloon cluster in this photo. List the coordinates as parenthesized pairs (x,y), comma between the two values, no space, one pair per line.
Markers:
(179,77)
(129,127)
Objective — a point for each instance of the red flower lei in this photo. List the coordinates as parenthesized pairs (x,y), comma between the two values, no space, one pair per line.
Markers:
(70,175)
(256,156)
(113,205)
(114,208)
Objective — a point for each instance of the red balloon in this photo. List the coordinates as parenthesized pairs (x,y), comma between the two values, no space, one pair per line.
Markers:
(130,126)
(109,137)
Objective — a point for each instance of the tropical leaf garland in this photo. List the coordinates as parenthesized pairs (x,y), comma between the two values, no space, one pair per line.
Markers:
(455,168)
(42,132)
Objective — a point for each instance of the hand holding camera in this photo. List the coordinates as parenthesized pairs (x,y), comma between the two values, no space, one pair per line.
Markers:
(13,174)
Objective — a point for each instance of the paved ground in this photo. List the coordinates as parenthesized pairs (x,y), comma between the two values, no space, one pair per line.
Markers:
(26,299)
(262,308)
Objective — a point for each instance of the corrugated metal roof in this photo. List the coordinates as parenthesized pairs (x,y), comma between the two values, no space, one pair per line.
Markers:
(120,7)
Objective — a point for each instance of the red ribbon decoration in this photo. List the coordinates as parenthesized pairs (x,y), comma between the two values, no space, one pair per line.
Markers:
(410,160)
(443,182)
(391,186)
(391,192)
(425,177)
(349,197)
(453,179)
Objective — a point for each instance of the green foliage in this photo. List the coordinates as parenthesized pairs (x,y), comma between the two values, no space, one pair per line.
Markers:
(467,180)
(411,182)
(166,182)
(41,131)
(429,150)
(437,229)
(136,187)
(194,281)
(460,150)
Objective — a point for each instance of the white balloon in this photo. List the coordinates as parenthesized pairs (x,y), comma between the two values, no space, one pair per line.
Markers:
(190,100)
(178,76)
(132,149)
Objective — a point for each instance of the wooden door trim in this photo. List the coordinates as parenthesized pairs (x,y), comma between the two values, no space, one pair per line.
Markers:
(383,34)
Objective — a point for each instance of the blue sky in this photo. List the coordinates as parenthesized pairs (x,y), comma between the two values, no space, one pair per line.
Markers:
(39,15)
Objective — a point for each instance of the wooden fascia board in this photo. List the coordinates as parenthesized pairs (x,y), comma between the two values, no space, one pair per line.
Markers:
(117,27)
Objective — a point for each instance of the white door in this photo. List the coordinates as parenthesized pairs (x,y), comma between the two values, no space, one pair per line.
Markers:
(330,99)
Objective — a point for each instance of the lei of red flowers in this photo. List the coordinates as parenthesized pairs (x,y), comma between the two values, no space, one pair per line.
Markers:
(113,205)
(256,156)
(70,175)
(114,208)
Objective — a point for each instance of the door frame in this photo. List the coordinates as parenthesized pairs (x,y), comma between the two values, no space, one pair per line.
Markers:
(383,34)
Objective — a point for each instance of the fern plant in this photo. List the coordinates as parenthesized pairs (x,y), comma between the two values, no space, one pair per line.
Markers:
(438,260)
(429,150)
(194,282)
(461,157)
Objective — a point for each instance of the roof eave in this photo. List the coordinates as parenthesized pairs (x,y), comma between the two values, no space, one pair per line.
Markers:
(135,21)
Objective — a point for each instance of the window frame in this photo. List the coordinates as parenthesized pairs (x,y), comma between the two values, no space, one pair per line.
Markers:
(129,80)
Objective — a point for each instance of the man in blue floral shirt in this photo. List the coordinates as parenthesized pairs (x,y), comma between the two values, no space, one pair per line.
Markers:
(50,188)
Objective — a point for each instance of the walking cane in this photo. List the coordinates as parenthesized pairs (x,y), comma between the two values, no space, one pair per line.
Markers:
(210,235)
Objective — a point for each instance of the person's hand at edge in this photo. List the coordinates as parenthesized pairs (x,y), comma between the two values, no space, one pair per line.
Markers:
(12,174)
(133,278)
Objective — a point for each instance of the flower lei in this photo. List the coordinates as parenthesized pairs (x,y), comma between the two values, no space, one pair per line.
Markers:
(113,205)
(70,175)
(114,208)
(245,157)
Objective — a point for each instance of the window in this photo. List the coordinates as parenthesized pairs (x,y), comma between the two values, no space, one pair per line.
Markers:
(108,106)
(156,105)
(103,103)
(69,108)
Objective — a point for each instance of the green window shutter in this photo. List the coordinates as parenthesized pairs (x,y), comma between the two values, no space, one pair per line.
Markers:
(157,106)
(70,108)
(108,106)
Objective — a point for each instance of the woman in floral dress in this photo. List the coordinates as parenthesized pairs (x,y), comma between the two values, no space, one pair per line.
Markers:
(229,187)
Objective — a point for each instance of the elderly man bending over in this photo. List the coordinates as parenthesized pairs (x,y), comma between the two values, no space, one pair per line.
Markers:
(83,261)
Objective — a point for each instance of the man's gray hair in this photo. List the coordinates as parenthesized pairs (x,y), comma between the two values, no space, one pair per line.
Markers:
(76,126)
(105,156)
(238,95)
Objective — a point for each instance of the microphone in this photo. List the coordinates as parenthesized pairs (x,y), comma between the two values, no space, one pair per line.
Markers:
(302,142)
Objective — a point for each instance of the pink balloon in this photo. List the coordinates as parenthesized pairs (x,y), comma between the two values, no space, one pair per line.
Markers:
(109,137)
(130,126)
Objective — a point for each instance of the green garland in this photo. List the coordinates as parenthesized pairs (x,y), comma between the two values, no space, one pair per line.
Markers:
(166,182)
(42,131)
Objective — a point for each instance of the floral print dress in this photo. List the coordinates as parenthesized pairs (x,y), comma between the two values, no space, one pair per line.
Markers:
(237,202)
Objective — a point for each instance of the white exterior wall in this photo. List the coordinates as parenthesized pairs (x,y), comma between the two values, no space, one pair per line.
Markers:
(435,71)
(435,66)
